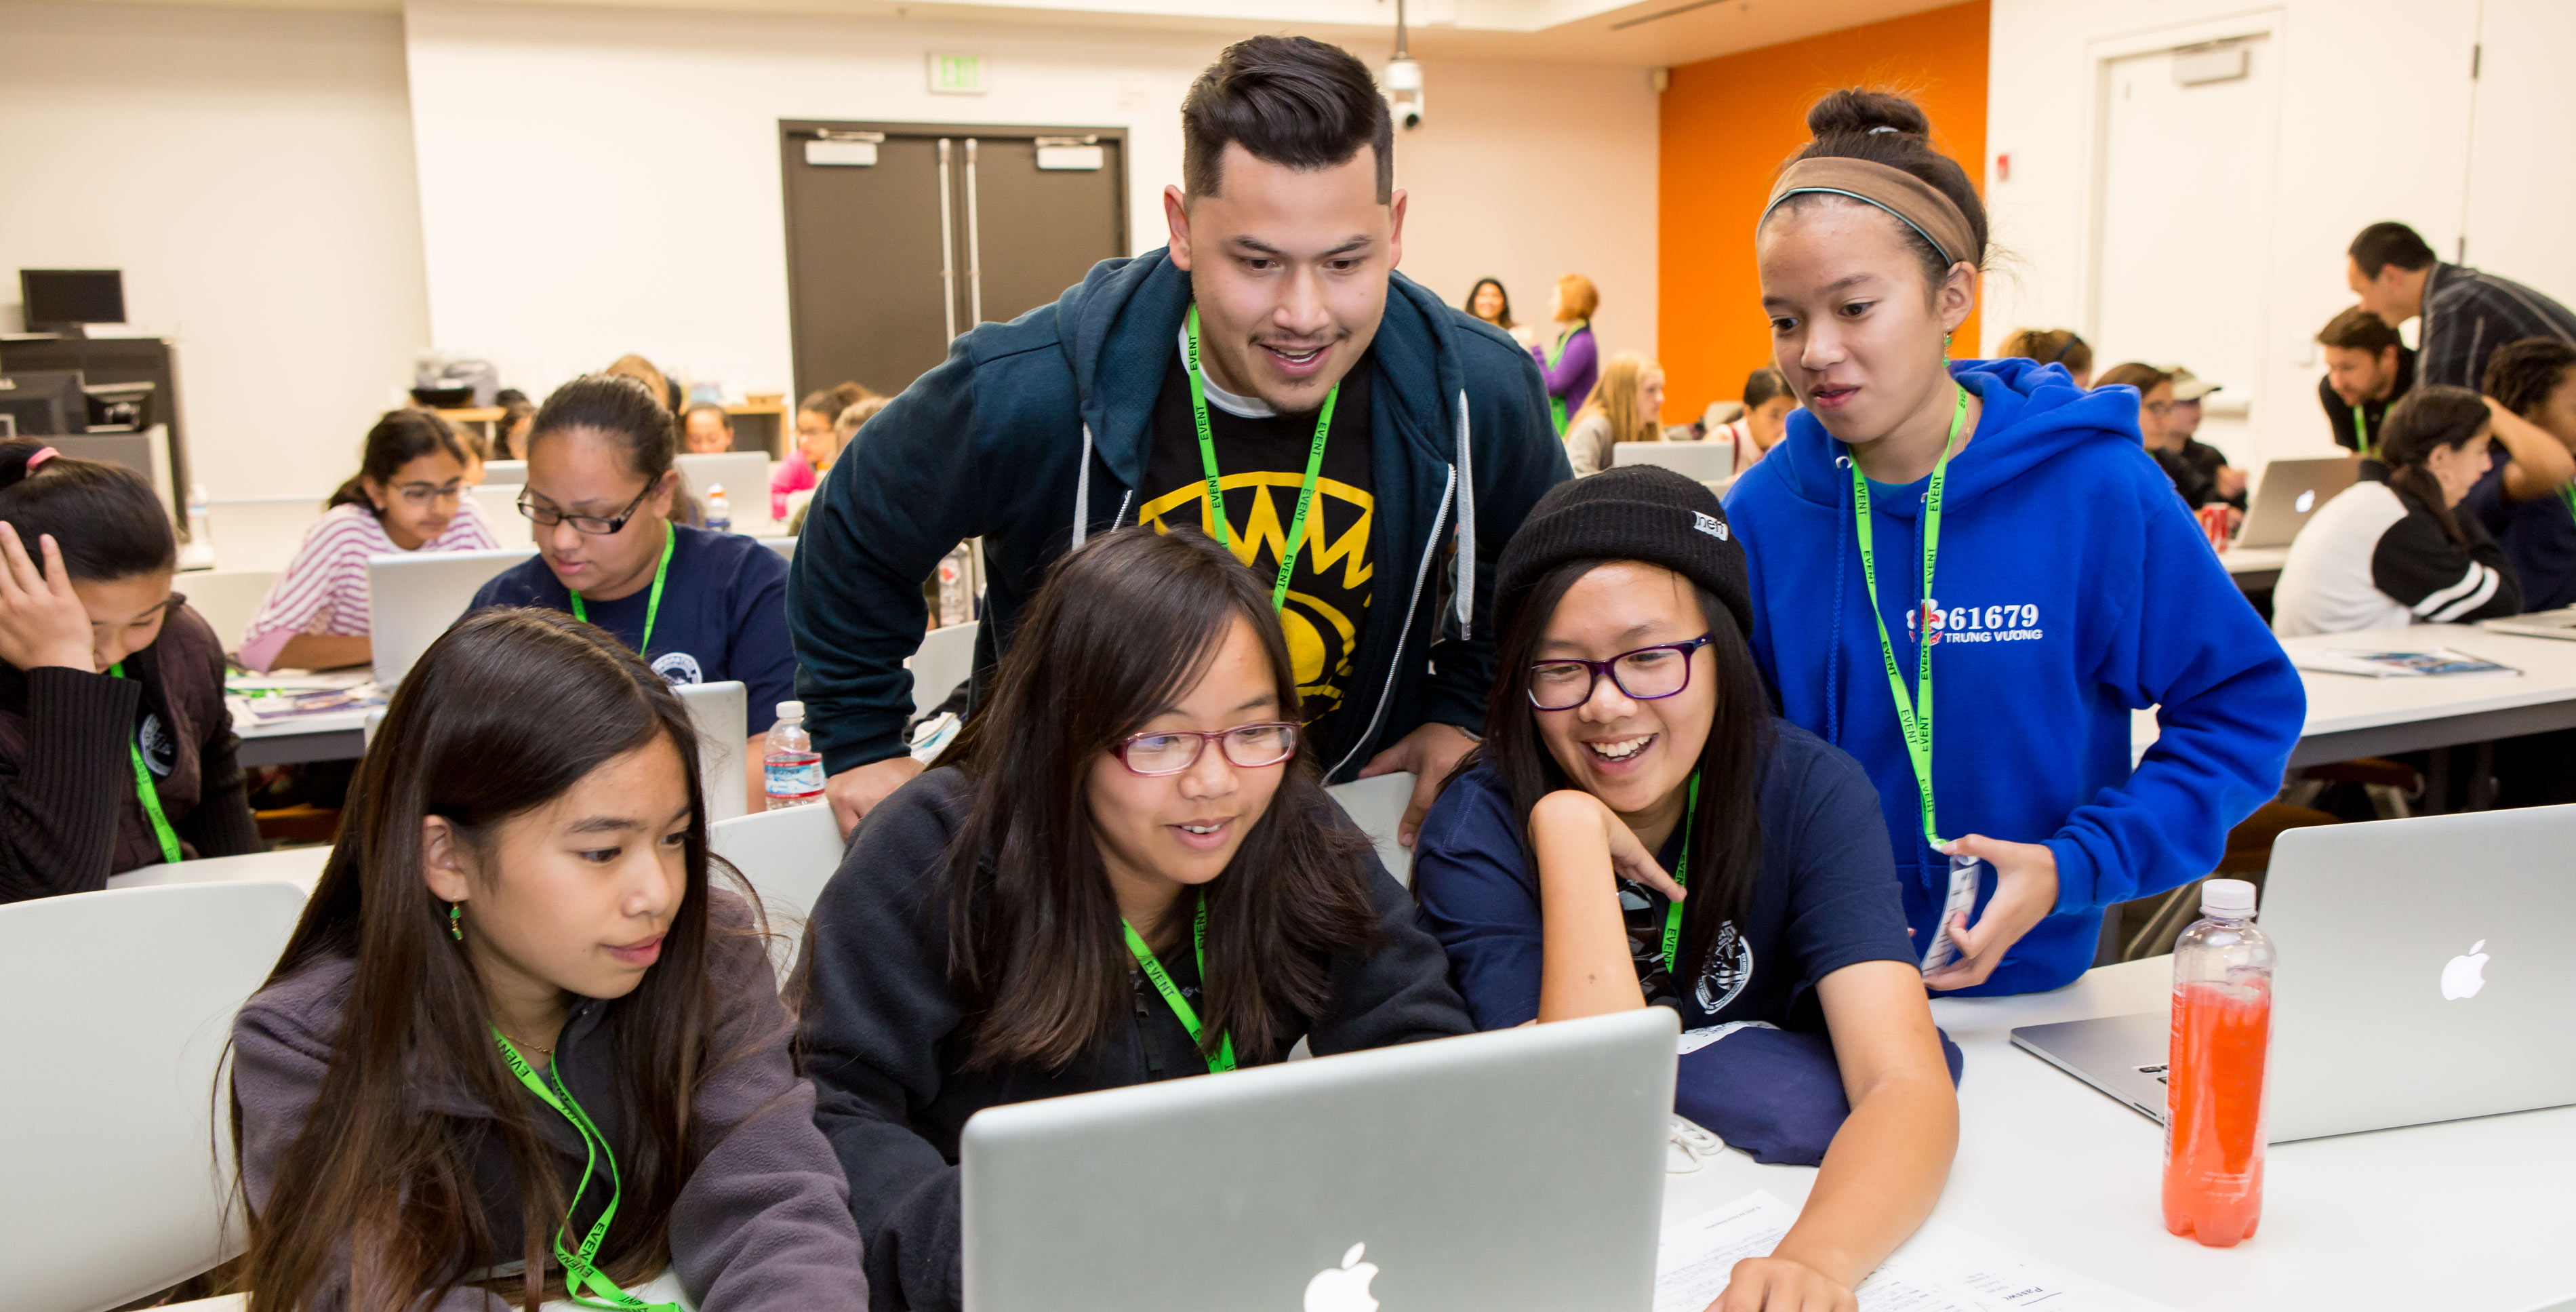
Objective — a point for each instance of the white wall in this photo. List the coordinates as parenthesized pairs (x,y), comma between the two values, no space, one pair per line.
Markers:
(251,173)
(640,150)
(2374,124)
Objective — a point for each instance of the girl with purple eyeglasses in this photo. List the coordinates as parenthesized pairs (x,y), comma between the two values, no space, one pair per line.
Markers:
(1637,829)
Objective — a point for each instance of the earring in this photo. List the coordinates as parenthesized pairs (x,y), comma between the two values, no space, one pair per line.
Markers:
(456,921)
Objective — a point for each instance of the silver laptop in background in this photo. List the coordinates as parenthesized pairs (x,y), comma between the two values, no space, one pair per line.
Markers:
(2290,492)
(2423,976)
(721,713)
(418,594)
(2560,623)
(1518,1169)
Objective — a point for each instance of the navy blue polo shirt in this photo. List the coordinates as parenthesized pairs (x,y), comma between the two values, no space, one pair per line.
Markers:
(2538,537)
(1826,896)
(724,615)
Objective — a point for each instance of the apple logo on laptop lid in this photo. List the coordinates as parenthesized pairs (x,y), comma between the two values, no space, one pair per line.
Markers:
(2463,976)
(2307,501)
(1344,1288)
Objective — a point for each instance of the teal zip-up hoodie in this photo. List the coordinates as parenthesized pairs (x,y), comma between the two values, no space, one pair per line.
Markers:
(2073,588)
(1034,434)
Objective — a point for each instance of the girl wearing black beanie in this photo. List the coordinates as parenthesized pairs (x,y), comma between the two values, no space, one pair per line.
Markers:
(1638,829)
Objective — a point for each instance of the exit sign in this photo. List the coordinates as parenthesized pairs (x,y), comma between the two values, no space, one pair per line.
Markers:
(956,75)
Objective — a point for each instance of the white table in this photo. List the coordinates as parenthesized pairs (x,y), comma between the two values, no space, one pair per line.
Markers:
(2463,1217)
(2255,569)
(300,866)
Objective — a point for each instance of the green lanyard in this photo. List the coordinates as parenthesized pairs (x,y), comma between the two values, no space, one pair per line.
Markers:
(1223,1061)
(1913,713)
(1681,876)
(1555,403)
(653,604)
(1216,492)
(2361,432)
(587,1286)
(144,789)
(2567,493)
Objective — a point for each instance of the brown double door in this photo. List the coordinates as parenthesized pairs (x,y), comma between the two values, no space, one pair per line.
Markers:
(902,235)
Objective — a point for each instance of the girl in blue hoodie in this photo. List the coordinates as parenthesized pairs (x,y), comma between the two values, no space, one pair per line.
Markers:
(1983,542)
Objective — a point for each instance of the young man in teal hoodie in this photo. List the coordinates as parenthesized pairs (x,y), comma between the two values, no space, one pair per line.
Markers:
(2034,578)
(1270,353)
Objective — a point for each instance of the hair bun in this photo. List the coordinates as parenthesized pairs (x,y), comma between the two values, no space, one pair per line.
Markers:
(14,456)
(1855,111)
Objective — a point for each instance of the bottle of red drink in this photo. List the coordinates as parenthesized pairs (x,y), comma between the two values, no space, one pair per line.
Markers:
(2222,1028)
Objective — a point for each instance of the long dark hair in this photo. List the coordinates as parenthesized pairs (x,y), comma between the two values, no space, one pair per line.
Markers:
(1502,320)
(399,438)
(2430,416)
(502,715)
(1122,628)
(105,518)
(1726,830)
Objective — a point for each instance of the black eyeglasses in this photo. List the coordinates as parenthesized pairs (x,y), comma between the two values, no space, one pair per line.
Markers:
(1247,746)
(1646,674)
(593,525)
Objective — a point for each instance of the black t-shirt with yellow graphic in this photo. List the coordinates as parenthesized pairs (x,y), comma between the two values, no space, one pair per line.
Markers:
(1263,464)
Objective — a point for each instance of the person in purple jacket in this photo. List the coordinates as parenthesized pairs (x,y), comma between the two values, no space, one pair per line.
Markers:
(1567,356)
(518,1049)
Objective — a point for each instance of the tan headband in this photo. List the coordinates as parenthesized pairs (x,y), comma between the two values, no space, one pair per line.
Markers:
(1919,204)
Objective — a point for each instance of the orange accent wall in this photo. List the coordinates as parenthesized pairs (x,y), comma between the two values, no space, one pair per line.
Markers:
(1729,123)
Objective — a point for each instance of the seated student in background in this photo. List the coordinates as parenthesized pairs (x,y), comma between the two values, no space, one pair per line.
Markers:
(516,1002)
(510,431)
(1137,792)
(1767,404)
(2524,499)
(1626,406)
(700,607)
(2066,589)
(408,495)
(845,430)
(2225,482)
(1637,830)
(2388,554)
(2056,346)
(2368,368)
(705,429)
(815,445)
(116,751)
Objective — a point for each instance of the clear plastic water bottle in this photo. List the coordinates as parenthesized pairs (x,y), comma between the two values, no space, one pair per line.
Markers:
(2222,1029)
(719,510)
(791,768)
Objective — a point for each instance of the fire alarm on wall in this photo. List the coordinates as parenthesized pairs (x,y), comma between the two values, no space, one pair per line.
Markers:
(2003,167)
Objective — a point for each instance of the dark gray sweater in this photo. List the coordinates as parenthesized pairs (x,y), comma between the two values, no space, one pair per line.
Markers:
(881,1033)
(763,1222)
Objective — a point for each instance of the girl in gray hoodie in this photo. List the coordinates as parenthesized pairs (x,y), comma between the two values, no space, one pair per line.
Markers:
(519,1048)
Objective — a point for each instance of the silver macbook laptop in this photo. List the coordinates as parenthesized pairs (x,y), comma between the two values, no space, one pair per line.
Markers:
(417,595)
(2560,623)
(2423,970)
(721,712)
(1521,1168)
(2291,491)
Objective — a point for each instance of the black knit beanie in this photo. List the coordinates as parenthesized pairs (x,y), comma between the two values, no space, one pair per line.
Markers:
(1632,512)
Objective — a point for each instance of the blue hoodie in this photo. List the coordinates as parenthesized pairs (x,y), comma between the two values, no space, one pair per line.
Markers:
(1034,434)
(2074,588)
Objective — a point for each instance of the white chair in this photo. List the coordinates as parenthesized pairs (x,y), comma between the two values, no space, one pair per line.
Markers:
(512,473)
(946,657)
(227,598)
(498,503)
(260,532)
(1704,461)
(122,1004)
(786,856)
(1377,805)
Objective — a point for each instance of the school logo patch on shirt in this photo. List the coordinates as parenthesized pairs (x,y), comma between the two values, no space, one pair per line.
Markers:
(2009,622)
(679,667)
(160,754)
(1730,968)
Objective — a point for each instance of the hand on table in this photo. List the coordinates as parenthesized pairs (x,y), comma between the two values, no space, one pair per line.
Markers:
(1431,751)
(41,619)
(1780,1284)
(2025,892)
(856,791)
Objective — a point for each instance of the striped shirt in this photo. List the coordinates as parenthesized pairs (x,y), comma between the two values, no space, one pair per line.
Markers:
(324,589)
(2469,316)
(2374,558)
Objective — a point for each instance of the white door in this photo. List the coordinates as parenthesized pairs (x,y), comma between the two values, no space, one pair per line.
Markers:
(2185,199)
(2519,187)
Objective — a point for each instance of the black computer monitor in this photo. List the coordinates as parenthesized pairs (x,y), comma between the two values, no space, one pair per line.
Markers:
(45,402)
(67,298)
